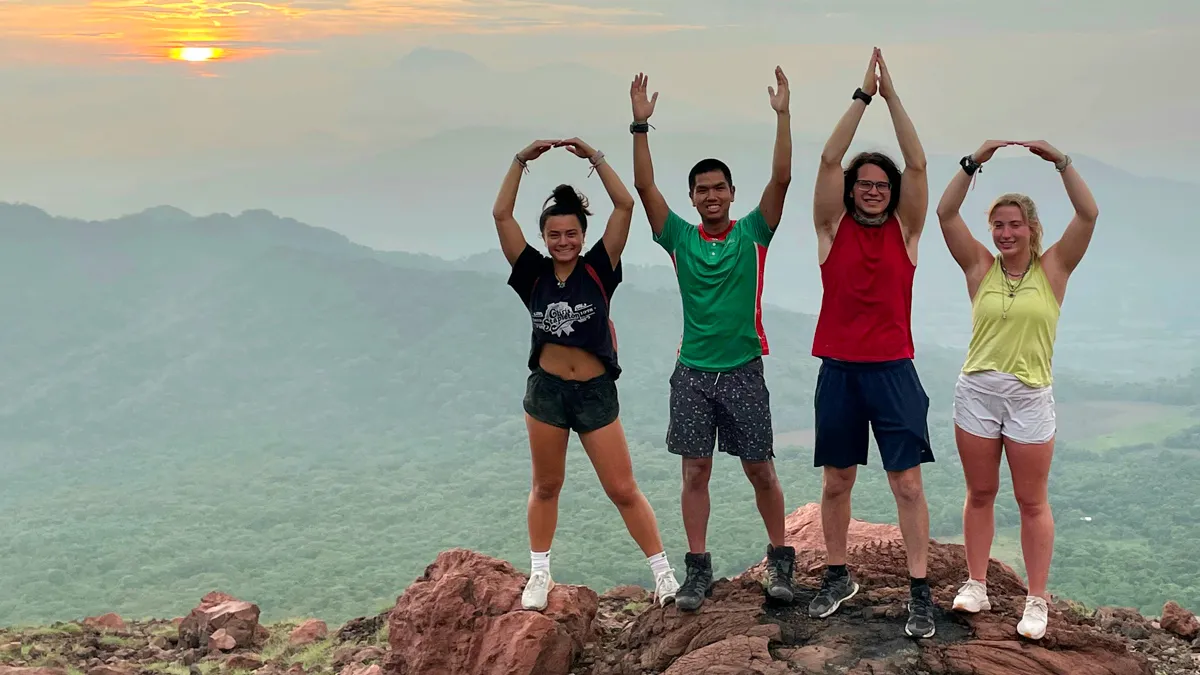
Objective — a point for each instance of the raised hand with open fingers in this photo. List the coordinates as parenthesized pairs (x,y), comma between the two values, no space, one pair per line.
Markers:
(1045,151)
(870,83)
(577,147)
(643,106)
(781,94)
(536,149)
(989,148)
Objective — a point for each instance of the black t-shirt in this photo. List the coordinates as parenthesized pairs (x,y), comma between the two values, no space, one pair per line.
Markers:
(574,314)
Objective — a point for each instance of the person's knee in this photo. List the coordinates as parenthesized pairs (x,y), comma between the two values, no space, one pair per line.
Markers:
(623,493)
(696,473)
(982,497)
(1033,506)
(837,483)
(762,476)
(547,489)
(906,486)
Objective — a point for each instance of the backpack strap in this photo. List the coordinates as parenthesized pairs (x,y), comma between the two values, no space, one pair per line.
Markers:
(612,328)
(596,277)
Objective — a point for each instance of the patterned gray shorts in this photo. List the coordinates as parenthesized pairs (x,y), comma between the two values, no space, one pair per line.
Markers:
(733,407)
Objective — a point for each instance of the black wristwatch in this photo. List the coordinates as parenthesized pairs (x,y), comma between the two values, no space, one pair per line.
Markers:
(639,127)
(859,93)
(969,165)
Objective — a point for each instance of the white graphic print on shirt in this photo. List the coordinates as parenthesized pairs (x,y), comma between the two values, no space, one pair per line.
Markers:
(560,318)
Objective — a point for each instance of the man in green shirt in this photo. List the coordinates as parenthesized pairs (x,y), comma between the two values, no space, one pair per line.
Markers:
(718,391)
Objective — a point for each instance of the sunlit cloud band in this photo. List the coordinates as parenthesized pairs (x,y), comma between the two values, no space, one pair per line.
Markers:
(179,28)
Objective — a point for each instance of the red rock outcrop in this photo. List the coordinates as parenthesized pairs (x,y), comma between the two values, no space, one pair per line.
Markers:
(221,641)
(1179,621)
(464,616)
(109,621)
(219,611)
(308,632)
(735,631)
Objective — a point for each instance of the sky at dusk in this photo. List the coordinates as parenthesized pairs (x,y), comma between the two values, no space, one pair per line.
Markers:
(121,87)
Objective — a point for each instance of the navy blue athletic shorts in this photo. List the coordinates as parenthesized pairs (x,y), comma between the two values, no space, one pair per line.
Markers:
(886,395)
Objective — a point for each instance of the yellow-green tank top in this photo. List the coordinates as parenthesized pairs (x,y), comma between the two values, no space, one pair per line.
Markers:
(1014,326)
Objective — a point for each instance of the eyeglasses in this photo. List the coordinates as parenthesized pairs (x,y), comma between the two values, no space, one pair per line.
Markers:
(865,185)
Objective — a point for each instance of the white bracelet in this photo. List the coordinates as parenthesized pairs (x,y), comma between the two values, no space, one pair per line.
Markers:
(595,161)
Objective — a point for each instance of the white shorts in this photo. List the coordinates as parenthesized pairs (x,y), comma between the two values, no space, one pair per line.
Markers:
(992,404)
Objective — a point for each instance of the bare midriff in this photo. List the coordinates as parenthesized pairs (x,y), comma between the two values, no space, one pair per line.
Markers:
(570,363)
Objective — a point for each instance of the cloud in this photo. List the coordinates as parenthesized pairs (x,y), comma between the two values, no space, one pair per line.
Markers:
(246,28)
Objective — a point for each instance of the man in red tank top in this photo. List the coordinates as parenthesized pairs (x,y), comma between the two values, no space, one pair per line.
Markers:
(869,219)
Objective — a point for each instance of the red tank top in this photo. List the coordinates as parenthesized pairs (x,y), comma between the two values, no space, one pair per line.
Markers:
(866,307)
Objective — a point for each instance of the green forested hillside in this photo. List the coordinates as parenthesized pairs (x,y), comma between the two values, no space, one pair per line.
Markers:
(249,404)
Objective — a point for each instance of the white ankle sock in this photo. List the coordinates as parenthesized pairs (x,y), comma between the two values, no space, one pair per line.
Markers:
(539,561)
(658,563)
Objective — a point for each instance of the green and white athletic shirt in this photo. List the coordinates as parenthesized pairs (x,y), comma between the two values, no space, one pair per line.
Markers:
(721,282)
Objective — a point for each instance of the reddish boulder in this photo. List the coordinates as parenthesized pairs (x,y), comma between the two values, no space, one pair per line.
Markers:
(803,532)
(216,611)
(308,632)
(1179,621)
(659,637)
(740,654)
(464,616)
(736,631)
(17,670)
(106,622)
(221,641)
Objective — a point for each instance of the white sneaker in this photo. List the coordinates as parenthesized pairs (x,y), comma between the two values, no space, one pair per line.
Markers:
(536,590)
(972,597)
(1033,624)
(665,587)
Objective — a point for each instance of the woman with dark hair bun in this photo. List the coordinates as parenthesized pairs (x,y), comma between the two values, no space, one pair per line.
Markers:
(573,359)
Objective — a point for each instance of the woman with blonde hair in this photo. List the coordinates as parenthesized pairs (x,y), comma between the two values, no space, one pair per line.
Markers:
(1003,400)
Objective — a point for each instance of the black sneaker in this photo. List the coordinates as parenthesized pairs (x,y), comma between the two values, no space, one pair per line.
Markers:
(698,584)
(835,589)
(780,563)
(920,614)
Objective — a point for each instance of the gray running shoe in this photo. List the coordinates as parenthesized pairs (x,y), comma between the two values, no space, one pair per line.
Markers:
(835,590)
(920,614)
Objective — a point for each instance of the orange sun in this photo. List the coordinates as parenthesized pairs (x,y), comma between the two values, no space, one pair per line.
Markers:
(196,54)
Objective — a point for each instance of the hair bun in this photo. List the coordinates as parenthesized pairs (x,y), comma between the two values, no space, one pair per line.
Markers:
(567,198)
(565,201)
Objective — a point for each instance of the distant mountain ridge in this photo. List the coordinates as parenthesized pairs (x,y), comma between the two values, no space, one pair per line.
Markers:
(323,416)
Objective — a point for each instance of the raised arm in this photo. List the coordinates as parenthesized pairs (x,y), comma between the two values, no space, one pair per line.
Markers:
(1065,255)
(512,240)
(914,183)
(643,168)
(771,203)
(971,255)
(827,199)
(616,233)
